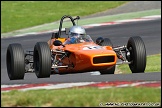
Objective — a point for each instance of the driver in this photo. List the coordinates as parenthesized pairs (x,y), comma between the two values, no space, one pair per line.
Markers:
(76,34)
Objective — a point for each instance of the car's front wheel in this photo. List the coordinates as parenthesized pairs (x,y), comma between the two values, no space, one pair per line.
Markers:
(137,51)
(15,61)
(42,60)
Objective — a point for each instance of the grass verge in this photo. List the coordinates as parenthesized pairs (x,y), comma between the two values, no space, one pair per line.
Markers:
(66,24)
(80,97)
(22,14)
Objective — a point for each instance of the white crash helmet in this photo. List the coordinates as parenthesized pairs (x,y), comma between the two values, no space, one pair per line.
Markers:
(77,31)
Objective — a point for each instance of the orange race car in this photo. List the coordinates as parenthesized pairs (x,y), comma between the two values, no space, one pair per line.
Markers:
(75,53)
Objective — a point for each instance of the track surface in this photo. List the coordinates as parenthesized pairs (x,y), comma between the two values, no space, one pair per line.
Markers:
(150,31)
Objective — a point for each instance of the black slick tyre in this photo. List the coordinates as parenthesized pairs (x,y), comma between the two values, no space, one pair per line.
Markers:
(42,60)
(106,42)
(137,50)
(15,61)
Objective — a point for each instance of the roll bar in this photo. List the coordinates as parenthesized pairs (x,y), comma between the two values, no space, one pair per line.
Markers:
(61,21)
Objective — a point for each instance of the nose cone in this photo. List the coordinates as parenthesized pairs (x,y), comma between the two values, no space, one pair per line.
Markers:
(91,57)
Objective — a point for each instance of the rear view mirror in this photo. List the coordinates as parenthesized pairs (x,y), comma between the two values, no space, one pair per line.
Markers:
(57,43)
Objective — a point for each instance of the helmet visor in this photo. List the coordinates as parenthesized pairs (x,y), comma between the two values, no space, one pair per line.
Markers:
(76,34)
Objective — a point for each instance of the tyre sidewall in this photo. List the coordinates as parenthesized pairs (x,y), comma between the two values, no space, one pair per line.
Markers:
(43,66)
(15,61)
(138,54)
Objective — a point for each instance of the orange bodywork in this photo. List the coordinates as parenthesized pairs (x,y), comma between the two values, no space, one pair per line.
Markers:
(86,56)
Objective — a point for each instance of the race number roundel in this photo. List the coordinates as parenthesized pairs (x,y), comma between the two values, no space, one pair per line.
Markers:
(91,47)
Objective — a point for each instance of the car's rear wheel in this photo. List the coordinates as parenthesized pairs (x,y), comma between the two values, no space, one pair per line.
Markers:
(108,71)
(42,60)
(15,61)
(137,51)
(107,42)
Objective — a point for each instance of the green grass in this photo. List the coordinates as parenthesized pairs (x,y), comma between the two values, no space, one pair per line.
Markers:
(153,64)
(67,24)
(80,97)
(22,14)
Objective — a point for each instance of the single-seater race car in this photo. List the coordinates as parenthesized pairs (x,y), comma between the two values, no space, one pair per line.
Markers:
(62,55)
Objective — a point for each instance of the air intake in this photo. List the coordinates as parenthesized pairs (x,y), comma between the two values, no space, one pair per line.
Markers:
(103,59)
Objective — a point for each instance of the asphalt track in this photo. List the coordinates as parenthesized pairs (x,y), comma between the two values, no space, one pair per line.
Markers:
(150,31)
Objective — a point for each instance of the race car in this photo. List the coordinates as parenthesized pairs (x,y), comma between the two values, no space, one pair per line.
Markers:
(63,55)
